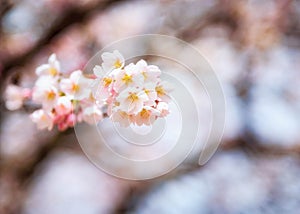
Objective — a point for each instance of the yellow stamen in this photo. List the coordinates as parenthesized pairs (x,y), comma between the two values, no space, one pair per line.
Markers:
(127,79)
(75,87)
(144,113)
(51,95)
(147,91)
(44,118)
(144,74)
(133,97)
(118,64)
(160,91)
(107,81)
(53,71)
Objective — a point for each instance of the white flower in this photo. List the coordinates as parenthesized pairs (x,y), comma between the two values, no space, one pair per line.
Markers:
(42,119)
(163,89)
(163,108)
(129,77)
(151,73)
(113,60)
(76,86)
(132,94)
(13,97)
(149,89)
(92,115)
(52,68)
(98,71)
(45,92)
(132,100)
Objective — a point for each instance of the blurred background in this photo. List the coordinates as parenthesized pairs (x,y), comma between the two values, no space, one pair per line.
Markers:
(254,48)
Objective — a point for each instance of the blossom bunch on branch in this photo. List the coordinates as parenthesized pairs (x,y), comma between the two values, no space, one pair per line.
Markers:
(131,94)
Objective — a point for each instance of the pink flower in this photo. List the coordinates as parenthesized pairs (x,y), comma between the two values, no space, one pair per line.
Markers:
(123,118)
(65,121)
(71,120)
(146,116)
(62,126)
(42,119)
(132,94)
(63,105)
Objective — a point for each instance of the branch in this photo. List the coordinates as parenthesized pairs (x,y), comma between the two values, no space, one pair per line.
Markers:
(71,16)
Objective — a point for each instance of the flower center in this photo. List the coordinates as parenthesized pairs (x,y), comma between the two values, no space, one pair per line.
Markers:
(147,91)
(127,79)
(51,95)
(133,97)
(145,113)
(75,87)
(107,81)
(117,64)
(53,71)
(160,91)
(144,74)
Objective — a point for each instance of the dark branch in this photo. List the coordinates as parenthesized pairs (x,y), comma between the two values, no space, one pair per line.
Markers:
(71,16)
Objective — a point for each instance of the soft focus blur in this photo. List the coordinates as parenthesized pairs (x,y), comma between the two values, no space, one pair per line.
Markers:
(254,48)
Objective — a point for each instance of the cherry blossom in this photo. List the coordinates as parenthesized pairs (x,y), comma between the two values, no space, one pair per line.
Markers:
(112,60)
(128,94)
(63,105)
(15,96)
(128,77)
(146,116)
(123,118)
(52,68)
(45,92)
(92,115)
(76,86)
(42,119)
(163,108)
(150,73)
(132,100)
(133,94)
(163,89)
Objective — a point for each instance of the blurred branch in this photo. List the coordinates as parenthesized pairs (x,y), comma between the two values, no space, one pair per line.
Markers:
(69,17)
(218,15)
(5,6)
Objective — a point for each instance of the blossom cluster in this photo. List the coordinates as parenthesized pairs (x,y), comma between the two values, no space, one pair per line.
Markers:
(63,99)
(131,94)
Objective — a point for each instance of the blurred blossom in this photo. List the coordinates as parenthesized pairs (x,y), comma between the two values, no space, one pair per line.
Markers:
(229,183)
(68,182)
(273,118)
(20,139)
(127,19)
(14,96)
